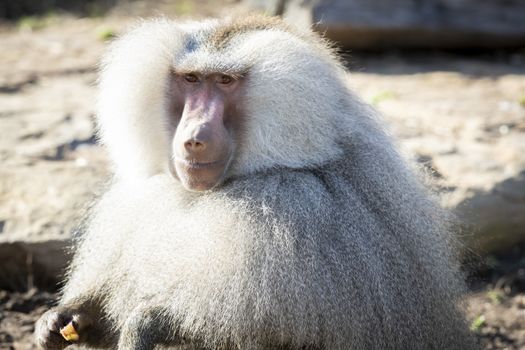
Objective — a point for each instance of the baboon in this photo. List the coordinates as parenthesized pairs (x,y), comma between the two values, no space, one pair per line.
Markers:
(257,204)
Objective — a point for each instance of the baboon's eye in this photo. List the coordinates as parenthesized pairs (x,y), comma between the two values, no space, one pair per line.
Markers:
(191,78)
(224,79)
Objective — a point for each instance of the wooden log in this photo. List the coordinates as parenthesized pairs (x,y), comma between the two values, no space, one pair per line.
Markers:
(410,23)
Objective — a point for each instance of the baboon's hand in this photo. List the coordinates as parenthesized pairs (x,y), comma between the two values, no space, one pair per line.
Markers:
(47,330)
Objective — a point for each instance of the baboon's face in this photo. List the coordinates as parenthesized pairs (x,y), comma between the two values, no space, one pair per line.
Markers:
(205,123)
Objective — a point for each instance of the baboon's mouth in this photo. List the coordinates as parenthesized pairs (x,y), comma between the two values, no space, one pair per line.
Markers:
(206,165)
(199,176)
(192,164)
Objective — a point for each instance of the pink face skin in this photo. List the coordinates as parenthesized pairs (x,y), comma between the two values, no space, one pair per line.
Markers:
(206,117)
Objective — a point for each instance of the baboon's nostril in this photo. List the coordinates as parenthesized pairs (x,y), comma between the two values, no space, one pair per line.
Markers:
(194,145)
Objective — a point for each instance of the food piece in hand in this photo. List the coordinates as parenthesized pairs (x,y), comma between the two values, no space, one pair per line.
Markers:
(69,332)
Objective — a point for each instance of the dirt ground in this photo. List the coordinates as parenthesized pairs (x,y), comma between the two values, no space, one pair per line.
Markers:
(18,314)
(496,307)
(496,303)
(40,66)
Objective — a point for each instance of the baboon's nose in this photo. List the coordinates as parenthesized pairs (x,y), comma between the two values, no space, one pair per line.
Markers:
(198,138)
(193,145)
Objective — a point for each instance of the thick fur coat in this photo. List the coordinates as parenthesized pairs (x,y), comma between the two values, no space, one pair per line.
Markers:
(321,237)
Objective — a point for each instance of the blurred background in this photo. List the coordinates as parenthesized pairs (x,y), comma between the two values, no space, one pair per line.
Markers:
(448,76)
